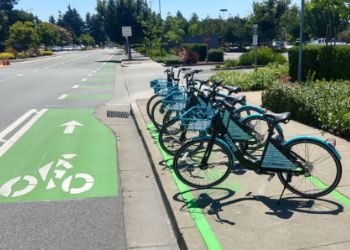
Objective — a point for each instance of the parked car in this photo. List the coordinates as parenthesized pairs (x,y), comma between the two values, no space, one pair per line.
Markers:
(56,48)
(68,48)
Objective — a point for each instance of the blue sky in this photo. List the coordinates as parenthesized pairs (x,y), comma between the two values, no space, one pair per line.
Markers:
(43,9)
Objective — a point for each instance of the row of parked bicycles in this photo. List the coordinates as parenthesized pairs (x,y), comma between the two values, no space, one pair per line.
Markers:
(211,131)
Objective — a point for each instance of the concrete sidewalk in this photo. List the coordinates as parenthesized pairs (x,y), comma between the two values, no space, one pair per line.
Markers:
(242,212)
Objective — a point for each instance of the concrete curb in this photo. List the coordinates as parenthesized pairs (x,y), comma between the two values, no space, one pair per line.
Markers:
(183,226)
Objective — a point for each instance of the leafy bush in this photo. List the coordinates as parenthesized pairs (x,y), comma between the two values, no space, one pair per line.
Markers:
(321,104)
(231,63)
(7,55)
(155,52)
(265,56)
(188,56)
(335,62)
(23,55)
(199,48)
(262,79)
(46,53)
(329,62)
(172,60)
(215,55)
(310,61)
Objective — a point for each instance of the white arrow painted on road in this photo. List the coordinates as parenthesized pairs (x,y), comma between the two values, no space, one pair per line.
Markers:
(70,126)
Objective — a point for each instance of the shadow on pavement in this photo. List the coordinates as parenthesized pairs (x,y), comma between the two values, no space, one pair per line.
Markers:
(109,61)
(212,202)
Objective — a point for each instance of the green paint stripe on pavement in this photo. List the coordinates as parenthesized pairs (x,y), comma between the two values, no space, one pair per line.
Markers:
(103,86)
(54,160)
(335,194)
(198,217)
(89,96)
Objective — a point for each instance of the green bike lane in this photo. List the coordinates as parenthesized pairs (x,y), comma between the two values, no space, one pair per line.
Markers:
(66,154)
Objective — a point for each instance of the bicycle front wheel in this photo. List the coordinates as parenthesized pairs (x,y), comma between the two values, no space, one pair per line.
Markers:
(157,114)
(172,136)
(322,169)
(203,163)
(150,104)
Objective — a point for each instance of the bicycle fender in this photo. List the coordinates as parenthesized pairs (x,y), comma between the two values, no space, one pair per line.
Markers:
(198,138)
(250,107)
(316,139)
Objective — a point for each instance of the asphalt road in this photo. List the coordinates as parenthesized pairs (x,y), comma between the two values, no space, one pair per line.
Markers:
(69,82)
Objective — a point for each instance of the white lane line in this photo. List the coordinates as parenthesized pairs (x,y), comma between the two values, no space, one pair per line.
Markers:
(75,86)
(62,97)
(84,80)
(36,70)
(89,74)
(19,75)
(94,71)
(7,145)
(16,123)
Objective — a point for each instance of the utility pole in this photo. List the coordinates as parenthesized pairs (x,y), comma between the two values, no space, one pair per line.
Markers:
(300,66)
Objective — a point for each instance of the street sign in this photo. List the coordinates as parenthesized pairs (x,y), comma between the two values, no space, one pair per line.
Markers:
(126,31)
(255,40)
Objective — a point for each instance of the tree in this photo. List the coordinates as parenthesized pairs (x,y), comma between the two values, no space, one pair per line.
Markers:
(49,34)
(65,37)
(94,26)
(72,21)
(87,40)
(6,7)
(23,36)
(52,19)
(325,18)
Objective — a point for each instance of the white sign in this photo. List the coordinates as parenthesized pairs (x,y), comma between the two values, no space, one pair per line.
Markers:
(255,40)
(126,30)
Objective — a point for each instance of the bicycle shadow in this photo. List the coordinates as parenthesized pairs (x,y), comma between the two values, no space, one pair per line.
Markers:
(210,202)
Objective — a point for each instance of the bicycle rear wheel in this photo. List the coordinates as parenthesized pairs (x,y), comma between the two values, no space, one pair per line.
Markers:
(322,169)
(150,104)
(157,114)
(191,169)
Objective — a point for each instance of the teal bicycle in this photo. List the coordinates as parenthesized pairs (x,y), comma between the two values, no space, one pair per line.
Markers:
(307,166)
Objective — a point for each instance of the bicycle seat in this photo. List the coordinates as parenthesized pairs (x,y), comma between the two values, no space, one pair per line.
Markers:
(218,82)
(232,89)
(236,99)
(280,117)
(202,82)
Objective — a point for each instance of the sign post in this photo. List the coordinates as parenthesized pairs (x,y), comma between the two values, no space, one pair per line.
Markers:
(126,31)
(255,43)
(206,40)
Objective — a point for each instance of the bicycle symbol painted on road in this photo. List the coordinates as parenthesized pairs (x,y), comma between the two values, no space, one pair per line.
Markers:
(59,172)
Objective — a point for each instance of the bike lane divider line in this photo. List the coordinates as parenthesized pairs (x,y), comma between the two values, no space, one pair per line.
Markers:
(75,86)
(57,159)
(203,226)
(89,97)
(16,123)
(9,143)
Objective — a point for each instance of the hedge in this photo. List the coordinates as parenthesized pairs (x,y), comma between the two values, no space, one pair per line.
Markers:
(328,62)
(320,104)
(199,48)
(215,55)
(310,61)
(260,80)
(7,55)
(265,56)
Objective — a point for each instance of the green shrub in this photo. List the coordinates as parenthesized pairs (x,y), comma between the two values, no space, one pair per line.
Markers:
(172,60)
(260,80)
(321,104)
(231,63)
(199,48)
(310,61)
(23,55)
(265,56)
(46,53)
(188,56)
(7,55)
(155,52)
(216,55)
(335,62)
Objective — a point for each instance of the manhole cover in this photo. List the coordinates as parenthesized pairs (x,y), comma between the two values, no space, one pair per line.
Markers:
(118,114)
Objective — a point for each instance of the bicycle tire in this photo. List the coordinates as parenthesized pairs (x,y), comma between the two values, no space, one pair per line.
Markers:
(172,136)
(315,185)
(157,114)
(258,128)
(197,176)
(151,101)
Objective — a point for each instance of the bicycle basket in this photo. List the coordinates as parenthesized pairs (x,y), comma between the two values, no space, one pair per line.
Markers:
(154,82)
(197,118)
(164,88)
(176,101)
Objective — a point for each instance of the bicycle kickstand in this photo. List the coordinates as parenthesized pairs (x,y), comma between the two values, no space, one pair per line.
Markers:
(289,179)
